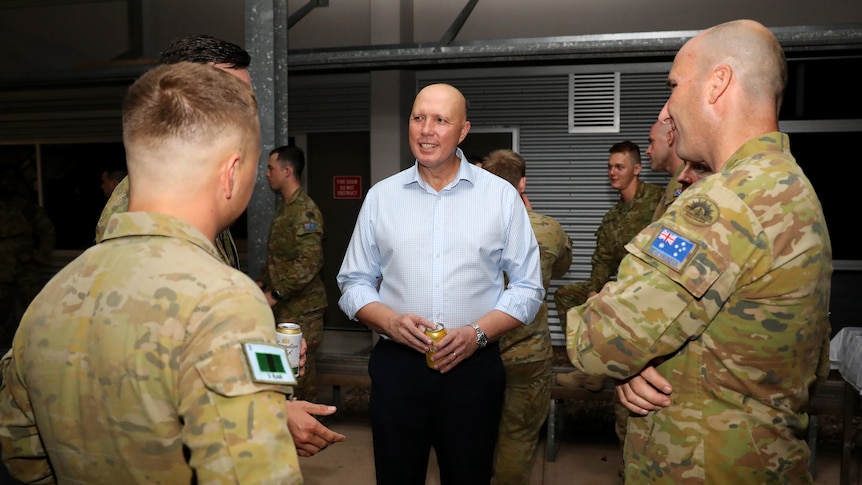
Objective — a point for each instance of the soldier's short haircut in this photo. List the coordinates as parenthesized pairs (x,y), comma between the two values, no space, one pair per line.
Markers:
(507,165)
(186,101)
(290,155)
(205,49)
(628,147)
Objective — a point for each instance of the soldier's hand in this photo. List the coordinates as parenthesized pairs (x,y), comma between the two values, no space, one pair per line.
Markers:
(645,392)
(303,348)
(310,436)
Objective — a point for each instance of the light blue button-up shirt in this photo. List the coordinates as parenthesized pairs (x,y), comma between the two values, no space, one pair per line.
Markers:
(441,255)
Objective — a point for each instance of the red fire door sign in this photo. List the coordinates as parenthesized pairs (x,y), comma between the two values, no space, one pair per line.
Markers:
(347,187)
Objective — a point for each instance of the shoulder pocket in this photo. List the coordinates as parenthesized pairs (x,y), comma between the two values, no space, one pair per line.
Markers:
(226,372)
(681,255)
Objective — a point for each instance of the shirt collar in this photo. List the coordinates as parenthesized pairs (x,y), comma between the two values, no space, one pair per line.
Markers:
(466,171)
(768,142)
(128,224)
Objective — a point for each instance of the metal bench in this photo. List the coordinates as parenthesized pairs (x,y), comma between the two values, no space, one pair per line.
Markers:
(336,370)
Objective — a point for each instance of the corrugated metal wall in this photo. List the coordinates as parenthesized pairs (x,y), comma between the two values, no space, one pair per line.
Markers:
(566,173)
(61,114)
(319,104)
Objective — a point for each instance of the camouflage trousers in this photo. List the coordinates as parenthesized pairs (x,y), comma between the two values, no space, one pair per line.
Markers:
(312,332)
(570,296)
(525,407)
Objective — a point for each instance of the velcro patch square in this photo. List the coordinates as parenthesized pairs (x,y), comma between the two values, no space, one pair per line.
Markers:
(671,249)
(268,363)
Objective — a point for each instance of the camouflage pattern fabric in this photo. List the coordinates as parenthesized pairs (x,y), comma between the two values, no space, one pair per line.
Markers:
(27,238)
(526,353)
(736,320)
(294,260)
(619,225)
(128,368)
(119,202)
(671,192)
(16,239)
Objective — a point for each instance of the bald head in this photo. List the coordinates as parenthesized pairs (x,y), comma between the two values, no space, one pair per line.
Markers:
(661,150)
(754,54)
(444,95)
(438,124)
(727,83)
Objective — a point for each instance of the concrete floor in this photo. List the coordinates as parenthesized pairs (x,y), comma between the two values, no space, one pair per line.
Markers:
(584,458)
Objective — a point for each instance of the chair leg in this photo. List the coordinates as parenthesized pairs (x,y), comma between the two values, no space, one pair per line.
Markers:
(553,429)
(811,439)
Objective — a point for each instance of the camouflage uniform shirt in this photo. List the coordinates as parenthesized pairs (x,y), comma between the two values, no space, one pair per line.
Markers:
(727,295)
(671,192)
(532,343)
(294,258)
(119,202)
(128,368)
(619,225)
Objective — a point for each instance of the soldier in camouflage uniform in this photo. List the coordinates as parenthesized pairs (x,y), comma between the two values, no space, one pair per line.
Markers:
(721,303)
(310,435)
(638,201)
(663,158)
(526,350)
(132,365)
(27,238)
(632,213)
(291,278)
(205,50)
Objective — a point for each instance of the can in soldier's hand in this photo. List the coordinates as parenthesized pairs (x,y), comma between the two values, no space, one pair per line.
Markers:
(438,332)
(289,336)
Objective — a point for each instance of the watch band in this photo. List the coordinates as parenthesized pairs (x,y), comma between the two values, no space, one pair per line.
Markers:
(481,338)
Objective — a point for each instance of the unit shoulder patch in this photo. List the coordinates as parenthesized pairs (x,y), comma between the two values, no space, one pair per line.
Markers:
(268,363)
(700,211)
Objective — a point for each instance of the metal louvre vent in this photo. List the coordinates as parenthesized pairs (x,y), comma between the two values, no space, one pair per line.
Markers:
(594,103)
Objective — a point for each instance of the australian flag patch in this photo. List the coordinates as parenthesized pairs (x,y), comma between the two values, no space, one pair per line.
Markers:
(671,249)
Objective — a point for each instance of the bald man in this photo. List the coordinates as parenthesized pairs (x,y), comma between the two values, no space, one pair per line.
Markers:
(663,158)
(723,301)
(421,253)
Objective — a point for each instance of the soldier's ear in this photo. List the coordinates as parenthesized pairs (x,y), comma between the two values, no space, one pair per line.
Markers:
(229,175)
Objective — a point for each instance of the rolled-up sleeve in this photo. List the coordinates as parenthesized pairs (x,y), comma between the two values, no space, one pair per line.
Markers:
(360,271)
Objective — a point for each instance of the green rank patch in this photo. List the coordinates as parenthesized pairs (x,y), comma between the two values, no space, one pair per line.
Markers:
(268,364)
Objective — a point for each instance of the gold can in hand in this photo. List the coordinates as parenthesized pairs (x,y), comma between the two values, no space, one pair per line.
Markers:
(436,334)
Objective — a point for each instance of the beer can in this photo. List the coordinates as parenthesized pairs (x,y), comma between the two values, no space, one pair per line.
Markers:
(436,334)
(289,336)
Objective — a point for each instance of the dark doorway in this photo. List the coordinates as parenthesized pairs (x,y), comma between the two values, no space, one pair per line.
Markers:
(342,156)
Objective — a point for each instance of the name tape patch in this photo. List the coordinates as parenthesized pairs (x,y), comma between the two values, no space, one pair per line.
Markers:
(671,249)
(268,364)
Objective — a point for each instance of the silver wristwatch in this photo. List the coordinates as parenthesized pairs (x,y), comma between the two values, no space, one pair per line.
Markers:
(481,338)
